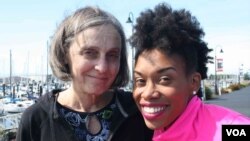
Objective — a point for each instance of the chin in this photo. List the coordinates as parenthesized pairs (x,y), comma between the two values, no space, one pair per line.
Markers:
(151,125)
(155,124)
(98,89)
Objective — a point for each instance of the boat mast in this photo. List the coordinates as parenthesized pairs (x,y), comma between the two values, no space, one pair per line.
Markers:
(11,74)
(47,75)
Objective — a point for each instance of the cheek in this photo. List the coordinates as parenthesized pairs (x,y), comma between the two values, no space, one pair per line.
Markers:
(137,93)
(178,100)
(84,65)
(168,91)
(114,67)
(174,96)
(80,67)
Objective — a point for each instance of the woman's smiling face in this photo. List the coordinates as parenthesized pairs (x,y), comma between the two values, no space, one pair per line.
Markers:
(162,88)
(95,59)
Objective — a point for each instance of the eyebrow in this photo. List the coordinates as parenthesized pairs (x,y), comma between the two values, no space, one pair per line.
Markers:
(97,47)
(162,70)
(165,69)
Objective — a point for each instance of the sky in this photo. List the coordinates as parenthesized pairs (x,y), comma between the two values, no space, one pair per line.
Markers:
(27,25)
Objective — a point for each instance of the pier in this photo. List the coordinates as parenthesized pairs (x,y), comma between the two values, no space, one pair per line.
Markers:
(10,121)
(8,126)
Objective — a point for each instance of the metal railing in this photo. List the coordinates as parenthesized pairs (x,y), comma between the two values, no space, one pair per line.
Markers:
(10,121)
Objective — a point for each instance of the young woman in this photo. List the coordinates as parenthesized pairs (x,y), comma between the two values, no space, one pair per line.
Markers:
(89,50)
(169,65)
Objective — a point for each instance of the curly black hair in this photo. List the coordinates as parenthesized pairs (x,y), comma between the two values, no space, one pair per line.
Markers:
(173,32)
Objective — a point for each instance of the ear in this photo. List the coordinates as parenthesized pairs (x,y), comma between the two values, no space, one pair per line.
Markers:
(196,81)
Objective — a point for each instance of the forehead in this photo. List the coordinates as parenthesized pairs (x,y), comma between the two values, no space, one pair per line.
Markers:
(102,33)
(157,59)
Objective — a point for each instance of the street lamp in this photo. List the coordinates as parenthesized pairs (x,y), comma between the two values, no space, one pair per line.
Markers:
(11,92)
(47,75)
(215,70)
(130,20)
(240,73)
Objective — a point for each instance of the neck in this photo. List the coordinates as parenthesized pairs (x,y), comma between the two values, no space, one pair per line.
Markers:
(83,102)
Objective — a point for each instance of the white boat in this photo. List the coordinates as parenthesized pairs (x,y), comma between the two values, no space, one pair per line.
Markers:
(17,107)
(2,112)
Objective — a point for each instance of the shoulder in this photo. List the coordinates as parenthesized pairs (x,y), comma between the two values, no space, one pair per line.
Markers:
(124,97)
(125,101)
(32,119)
(40,110)
(49,96)
(226,115)
(33,114)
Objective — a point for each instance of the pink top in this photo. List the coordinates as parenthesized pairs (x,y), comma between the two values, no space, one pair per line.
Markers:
(200,122)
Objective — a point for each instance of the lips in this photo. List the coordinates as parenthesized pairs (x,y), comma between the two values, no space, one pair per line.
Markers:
(99,77)
(152,112)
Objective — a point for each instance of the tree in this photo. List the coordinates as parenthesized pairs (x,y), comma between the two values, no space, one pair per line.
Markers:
(246,76)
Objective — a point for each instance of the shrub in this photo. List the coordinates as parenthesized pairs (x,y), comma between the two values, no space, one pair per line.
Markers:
(208,92)
(235,87)
(225,90)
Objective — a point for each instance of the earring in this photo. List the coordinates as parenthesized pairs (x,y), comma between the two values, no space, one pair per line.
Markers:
(194,92)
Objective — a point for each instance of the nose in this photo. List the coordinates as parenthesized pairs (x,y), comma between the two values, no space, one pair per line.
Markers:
(150,92)
(101,65)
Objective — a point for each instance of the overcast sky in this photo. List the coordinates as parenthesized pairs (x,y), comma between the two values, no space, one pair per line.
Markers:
(26,25)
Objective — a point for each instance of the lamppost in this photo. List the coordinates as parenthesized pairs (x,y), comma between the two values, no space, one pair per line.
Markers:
(47,67)
(240,73)
(11,92)
(131,21)
(215,70)
(47,74)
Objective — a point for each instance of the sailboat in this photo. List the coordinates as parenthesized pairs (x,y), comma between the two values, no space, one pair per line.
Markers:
(11,103)
(2,112)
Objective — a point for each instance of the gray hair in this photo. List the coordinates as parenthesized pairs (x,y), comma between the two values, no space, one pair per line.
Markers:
(80,20)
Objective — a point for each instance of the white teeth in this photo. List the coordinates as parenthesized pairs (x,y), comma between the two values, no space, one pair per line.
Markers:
(152,110)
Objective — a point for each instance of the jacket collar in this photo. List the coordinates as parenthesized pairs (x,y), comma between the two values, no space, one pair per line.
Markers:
(124,101)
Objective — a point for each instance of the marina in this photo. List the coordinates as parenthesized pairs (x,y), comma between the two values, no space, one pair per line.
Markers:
(17,96)
(13,102)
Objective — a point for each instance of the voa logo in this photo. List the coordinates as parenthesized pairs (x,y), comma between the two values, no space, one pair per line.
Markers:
(236,132)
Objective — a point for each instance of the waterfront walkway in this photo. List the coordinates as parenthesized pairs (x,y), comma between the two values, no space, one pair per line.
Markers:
(10,121)
(238,100)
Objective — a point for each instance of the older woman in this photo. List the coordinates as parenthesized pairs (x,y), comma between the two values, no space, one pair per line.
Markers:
(89,50)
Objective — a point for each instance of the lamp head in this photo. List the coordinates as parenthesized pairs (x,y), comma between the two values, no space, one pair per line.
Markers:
(221,51)
(129,20)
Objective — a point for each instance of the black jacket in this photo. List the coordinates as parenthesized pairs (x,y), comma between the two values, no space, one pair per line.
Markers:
(41,121)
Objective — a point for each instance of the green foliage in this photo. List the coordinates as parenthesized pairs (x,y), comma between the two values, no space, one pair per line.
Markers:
(225,90)
(235,87)
(1,131)
(7,135)
(246,76)
(208,92)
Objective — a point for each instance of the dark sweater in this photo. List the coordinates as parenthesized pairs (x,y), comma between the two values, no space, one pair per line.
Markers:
(41,121)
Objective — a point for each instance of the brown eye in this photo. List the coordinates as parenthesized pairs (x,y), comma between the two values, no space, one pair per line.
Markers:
(139,82)
(90,53)
(114,55)
(164,80)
